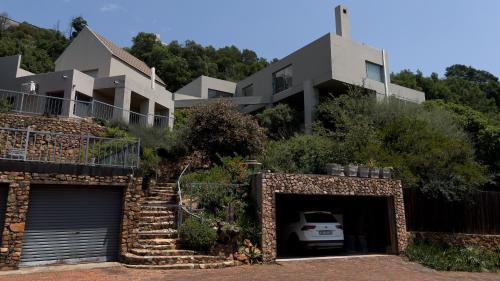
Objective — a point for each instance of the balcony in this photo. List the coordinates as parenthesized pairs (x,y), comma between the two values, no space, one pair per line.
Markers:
(11,101)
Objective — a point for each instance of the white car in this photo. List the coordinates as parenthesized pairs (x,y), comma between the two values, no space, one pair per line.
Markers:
(313,230)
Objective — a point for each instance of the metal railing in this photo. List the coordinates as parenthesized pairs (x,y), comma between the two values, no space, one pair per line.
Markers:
(55,106)
(36,146)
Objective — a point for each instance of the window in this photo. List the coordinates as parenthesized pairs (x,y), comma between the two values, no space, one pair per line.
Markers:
(248,91)
(374,71)
(218,94)
(282,79)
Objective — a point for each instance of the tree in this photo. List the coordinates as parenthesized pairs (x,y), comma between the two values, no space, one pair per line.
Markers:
(281,121)
(4,17)
(77,25)
(218,129)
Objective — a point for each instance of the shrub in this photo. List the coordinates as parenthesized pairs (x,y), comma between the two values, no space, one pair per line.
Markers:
(198,235)
(442,257)
(218,129)
(281,121)
(301,154)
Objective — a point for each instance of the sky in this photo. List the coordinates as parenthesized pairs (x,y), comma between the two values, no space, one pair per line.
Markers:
(428,35)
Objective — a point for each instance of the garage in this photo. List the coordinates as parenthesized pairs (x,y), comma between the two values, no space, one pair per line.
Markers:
(361,224)
(72,224)
(365,214)
(4,191)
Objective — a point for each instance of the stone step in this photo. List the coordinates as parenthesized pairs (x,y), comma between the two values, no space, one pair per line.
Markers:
(157,219)
(138,245)
(157,242)
(130,258)
(156,213)
(144,226)
(152,234)
(160,203)
(158,208)
(161,252)
(184,266)
(161,197)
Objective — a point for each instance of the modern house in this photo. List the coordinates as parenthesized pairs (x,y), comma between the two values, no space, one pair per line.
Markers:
(324,66)
(93,78)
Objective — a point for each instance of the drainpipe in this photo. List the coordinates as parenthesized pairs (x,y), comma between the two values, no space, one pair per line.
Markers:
(386,82)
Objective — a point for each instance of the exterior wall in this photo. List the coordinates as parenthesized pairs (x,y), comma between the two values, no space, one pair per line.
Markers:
(85,53)
(349,63)
(483,241)
(312,62)
(9,67)
(198,88)
(267,186)
(406,94)
(18,204)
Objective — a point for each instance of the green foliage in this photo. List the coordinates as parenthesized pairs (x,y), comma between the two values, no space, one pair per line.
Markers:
(77,25)
(39,47)
(280,121)
(463,85)
(198,235)
(5,105)
(219,129)
(441,257)
(301,154)
(149,161)
(181,116)
(178,64)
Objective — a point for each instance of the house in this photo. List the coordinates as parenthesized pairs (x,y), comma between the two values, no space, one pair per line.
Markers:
(93,77)
(324,66)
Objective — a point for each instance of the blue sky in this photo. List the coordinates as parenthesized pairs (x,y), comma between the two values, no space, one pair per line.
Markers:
(427,34)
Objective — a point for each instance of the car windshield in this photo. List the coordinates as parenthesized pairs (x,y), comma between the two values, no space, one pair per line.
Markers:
(320,217)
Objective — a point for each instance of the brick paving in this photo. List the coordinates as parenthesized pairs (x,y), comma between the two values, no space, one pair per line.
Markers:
(369,268)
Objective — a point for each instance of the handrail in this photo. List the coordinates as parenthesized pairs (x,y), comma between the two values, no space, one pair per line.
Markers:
(179,190)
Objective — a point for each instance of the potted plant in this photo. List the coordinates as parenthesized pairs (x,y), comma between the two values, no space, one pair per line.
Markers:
(351,170)
(363,171)
(386,172)
(334,169)
(374,170)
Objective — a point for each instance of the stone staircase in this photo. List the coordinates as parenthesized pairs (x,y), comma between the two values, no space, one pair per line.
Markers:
(158,246)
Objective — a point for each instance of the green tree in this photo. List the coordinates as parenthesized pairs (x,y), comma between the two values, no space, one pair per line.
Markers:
(77,25)
(280,121)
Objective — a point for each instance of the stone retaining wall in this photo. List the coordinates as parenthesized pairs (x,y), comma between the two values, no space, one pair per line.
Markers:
(74,126)
(18,198)
(483,241)
(267,185)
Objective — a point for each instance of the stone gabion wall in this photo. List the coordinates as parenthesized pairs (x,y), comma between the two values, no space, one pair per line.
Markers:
(74,126)
(483,241)
(18,198)
(269,184)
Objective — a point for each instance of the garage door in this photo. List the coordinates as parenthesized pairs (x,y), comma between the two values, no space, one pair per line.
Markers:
(4,189)
(71,225)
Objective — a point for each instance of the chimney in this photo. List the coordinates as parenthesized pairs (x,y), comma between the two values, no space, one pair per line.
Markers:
(342,21)
(153,77)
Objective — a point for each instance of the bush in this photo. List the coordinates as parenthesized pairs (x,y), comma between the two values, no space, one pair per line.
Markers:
(198,235)
(447,258)
(219,129)
(301,154)
(281,121)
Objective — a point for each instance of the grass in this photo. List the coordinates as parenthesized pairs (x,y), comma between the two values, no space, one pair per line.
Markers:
(447,258)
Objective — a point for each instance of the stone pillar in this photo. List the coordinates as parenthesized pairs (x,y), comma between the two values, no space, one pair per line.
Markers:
(171,118)
(148,109)
(15,220)
(121,112)
(311,100)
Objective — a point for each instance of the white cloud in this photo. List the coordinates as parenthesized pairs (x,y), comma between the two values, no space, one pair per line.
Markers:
(111,7)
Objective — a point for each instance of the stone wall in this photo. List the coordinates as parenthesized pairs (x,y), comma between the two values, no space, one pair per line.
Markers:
(267,185)
(483,241)
(18,198)
(75,126)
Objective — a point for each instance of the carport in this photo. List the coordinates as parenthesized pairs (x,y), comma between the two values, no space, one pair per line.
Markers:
(370,210)
(364,221)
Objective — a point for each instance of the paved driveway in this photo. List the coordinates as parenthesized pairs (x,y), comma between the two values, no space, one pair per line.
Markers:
(367,268)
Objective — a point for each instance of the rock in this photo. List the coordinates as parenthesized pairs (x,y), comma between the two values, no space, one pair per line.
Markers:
(4,250)
(17,227)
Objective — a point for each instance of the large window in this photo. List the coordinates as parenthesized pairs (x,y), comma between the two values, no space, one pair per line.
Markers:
(374,71)
(282,79)
(248,91)
(218,94)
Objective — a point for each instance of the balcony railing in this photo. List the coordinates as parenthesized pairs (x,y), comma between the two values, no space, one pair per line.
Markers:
(55,106)
(35,146)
